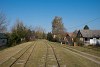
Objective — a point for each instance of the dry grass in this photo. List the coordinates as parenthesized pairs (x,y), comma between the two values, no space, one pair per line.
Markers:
(72,60)
(43,55)
(87,49)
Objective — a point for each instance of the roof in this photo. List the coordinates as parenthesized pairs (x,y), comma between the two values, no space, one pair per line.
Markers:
(3,35)
(90,33)
(71,34)
(76,31)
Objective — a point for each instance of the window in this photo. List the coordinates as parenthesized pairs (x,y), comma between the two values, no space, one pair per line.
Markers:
(97,37)
(86,39)
(3,41)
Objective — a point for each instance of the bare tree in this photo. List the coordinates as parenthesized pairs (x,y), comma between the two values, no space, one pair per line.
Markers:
(3,22)
(58,29)
(39,32)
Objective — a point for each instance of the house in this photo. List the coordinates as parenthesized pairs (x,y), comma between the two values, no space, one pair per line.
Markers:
(68,39)
(3,39)
(72,35)
(89,37)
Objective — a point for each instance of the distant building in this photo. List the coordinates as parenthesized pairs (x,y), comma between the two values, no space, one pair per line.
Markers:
(68,39)
(3,39)
(89,36)
(54,36)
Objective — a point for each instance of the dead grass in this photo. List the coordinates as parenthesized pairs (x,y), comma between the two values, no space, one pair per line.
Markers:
(43,55)
(72,60)
(91,50)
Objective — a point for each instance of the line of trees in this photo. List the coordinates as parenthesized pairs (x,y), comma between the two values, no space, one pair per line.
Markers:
(19,32)
(22,33)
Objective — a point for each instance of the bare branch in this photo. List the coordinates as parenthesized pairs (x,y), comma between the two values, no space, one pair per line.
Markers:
(3,22)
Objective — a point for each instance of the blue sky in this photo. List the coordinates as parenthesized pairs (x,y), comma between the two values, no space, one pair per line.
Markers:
(75,13)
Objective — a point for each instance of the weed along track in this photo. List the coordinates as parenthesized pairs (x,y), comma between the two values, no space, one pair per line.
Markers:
(60,60)
(67,59)
(51,59)
(10,52)
(16,59)
(30,54)
(55,56)
(46,56)
(20,62)
(38,57)
(43,56)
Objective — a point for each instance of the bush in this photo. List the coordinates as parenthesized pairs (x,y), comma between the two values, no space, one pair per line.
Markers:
(49,36)
(78,41)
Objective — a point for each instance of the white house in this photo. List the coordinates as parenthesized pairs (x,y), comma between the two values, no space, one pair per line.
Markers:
(89,36)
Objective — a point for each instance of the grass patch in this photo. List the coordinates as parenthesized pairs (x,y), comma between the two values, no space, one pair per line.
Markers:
(91,50)
(70,59)
(2,48)
(94,50)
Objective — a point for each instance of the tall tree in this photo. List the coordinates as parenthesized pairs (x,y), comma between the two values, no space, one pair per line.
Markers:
(19,31)
(86,27)
(58,29)
(49,36)
(3,22)
(30,35)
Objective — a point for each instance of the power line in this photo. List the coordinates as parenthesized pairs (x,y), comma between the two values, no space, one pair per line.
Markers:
(83,24)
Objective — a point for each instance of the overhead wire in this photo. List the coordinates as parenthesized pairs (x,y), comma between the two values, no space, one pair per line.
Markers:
(83,23)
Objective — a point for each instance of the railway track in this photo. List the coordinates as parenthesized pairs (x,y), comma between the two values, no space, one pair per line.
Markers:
(46,55)
(29,55)
(38,57)
(82,54)
(11,61)
(43,53)
(51,49)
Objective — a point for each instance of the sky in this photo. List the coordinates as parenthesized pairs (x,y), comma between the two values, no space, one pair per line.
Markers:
(75,13)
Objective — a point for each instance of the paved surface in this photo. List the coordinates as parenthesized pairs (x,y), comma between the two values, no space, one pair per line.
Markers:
(43,53)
